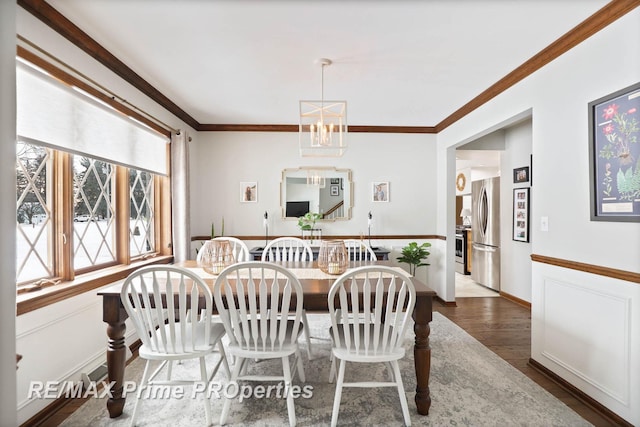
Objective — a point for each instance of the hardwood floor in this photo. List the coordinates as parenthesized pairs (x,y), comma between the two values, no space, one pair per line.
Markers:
(501,325)
(505,328)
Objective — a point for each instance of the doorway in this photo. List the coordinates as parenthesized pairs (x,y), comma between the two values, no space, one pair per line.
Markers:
(473,162)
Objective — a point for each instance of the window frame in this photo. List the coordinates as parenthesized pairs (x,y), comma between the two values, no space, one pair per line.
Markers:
(69,283)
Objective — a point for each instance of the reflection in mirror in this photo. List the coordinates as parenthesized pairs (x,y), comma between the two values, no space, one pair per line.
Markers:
(324,190)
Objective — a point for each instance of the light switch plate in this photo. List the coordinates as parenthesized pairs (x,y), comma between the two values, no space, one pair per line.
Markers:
(544,223)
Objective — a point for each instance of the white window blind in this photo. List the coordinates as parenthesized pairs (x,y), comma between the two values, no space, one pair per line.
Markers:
(51,113)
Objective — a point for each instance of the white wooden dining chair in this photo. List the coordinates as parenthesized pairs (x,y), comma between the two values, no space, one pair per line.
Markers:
(389,295)
(239,249)
(168,328)
(285,249)
(294,249)
(260,304)
(358,250)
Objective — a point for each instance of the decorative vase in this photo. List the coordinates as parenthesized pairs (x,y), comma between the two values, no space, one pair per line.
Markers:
(333,258)
(312,235)
(216,256)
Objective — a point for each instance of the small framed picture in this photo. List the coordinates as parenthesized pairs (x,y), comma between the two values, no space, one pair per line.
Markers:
(521,214)
(380,191)
(521,175)
(335,180)
(335,190)
(249,192)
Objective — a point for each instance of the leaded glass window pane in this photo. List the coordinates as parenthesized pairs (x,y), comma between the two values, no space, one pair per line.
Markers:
(93,212)
(141,211)
(34,255)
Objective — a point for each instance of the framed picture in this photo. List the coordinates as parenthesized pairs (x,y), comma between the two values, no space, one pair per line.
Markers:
(380,191)
(521,214)
(335,180)
(614,170)
(335,190)
(521,175)
(249,192)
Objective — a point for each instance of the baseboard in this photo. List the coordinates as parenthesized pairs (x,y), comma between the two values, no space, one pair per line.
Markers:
(580,395)
(525,304)
(42,417)
(135,346)
(446,303)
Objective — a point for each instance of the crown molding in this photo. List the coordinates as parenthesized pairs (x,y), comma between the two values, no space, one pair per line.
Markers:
(295,128)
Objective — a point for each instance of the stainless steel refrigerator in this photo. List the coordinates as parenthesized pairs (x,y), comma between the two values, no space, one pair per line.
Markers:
(485,232)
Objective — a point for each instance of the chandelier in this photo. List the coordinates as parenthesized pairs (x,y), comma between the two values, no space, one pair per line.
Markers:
(323,124)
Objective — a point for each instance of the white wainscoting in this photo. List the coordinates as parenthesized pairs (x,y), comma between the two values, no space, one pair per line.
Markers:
(59,343)
(585,328)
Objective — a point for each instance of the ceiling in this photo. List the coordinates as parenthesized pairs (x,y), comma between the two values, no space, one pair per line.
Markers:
(396,63)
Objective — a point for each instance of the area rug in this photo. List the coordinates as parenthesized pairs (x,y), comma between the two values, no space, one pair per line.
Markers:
(470,386)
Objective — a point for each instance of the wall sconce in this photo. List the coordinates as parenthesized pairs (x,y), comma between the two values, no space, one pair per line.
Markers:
(369,221)
(265,224)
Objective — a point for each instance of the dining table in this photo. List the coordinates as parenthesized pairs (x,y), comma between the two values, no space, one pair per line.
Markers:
(315,285)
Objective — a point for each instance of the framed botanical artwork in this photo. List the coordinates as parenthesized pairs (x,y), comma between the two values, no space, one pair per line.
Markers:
(249,192)
(521,175)
(380,191)
(335,190)
(521,214)
(614,153)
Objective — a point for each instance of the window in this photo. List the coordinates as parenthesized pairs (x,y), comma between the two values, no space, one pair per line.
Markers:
(94,223)
(91,186)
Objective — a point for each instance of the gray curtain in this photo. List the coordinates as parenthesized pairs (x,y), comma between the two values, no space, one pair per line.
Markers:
(181,216)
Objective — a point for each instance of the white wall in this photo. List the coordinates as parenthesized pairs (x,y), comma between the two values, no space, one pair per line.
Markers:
(565,304)
(221,160)
(478,174)
(7,213)
(515,263)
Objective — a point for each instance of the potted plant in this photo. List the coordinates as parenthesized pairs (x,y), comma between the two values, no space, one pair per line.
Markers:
(413,255)
(307,222)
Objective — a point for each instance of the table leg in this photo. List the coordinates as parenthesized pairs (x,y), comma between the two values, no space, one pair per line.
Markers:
(422,315)
(116,353)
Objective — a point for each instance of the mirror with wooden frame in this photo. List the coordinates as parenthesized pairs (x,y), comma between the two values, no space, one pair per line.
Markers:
(324,190)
